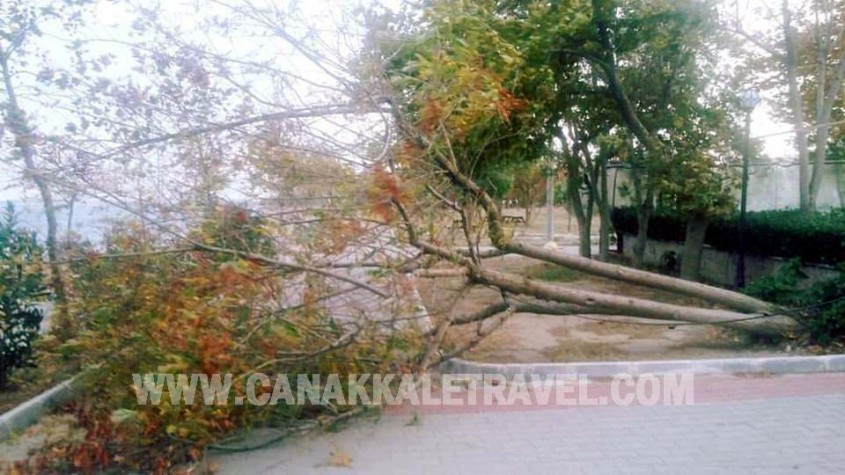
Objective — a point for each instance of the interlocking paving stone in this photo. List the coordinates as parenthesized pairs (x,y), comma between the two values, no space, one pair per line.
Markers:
(782,424)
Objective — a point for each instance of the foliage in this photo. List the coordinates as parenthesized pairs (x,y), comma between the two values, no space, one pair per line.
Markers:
(528,185)
(818,238)
(821,305)
(825,318)
(781,288)
(503,83)
(236,229)
(669,56)
(467,86)
(796,57)
(487,84)
(21,283)
(698,185)
(561,194)
(497,183)
(191,312)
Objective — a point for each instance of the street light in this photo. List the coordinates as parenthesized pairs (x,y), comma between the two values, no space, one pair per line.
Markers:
(748,100)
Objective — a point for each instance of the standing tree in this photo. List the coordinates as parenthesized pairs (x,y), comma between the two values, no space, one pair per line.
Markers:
(20,22)
(528,187)
(451,96)
(806,51)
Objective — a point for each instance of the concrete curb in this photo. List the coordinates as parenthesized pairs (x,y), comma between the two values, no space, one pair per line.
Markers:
(28,412)
(605,369)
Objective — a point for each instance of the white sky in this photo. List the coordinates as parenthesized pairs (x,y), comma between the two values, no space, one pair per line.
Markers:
(754,17)
(112,22)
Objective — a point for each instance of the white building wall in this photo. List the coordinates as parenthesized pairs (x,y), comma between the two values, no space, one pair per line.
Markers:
(769,187)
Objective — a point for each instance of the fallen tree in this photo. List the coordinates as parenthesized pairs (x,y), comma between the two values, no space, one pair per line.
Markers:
(742,312)
(308,275)
(450,127)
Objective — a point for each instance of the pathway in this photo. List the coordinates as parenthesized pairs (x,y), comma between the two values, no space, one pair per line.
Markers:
(784,424)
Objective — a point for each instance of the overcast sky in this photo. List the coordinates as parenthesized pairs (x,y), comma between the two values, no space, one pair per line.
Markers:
(112,21)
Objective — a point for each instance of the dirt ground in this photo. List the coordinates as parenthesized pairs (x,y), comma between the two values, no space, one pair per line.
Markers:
(562,221)
(530,338)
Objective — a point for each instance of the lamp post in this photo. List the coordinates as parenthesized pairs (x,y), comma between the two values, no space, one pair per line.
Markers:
(748,100)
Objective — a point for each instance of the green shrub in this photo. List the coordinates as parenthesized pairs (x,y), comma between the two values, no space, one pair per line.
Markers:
(561,196)
(818,238)
(21,282)
(820,307)
(825,312)
(783,288)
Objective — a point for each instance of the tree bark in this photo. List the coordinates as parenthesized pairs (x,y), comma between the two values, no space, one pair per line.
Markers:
(762,320)
(824,112)
(839,169)
(604,212)
(623,305)
(583,217)
(17,124)
(644,210)
(693,246)
(796,104)
(715,295)
(584,244)
(602,16)
(574,180)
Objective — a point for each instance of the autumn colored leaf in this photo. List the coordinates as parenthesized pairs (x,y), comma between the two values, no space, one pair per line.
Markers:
(384,190)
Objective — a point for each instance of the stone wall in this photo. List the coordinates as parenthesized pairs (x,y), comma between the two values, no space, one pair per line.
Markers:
(719,267)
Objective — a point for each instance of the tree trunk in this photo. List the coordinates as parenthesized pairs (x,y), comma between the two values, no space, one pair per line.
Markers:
(796,104)
(584,245)
(577,208)
(624,305)
(761,317)
(693,246)
(604,213)
(17,123)
(840,182)
(583,214)
(824,112)
(529,213)
(644,211)
(714,295)
(70,209)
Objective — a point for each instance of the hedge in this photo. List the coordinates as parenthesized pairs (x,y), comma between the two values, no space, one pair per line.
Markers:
(818,238)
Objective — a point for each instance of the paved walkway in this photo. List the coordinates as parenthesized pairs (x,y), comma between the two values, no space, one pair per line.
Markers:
(783,424)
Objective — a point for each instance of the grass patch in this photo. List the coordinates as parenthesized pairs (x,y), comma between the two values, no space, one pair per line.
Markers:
(553,273)
(569,349)
(18,394)
(574,350)
(30,381)
(631,330)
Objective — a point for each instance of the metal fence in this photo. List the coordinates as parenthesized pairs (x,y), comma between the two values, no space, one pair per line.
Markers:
(770,186)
